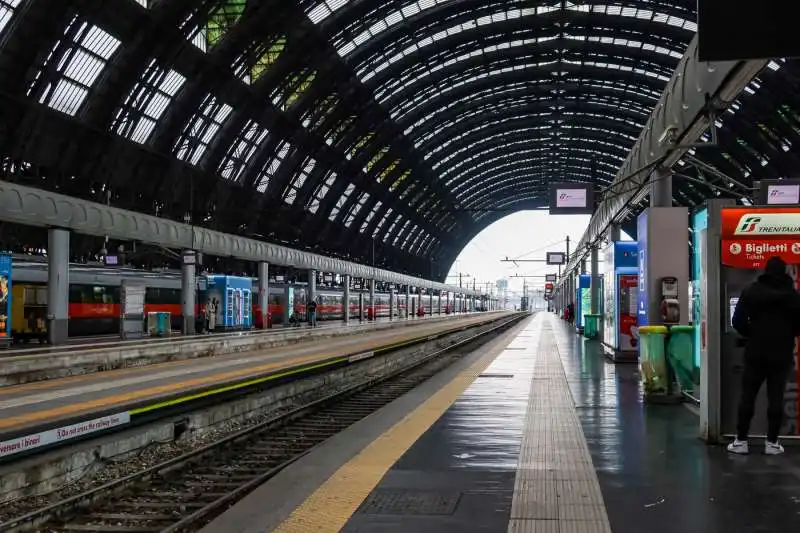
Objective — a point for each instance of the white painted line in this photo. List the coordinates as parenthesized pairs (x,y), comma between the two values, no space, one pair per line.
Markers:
(360,356)
(52,436)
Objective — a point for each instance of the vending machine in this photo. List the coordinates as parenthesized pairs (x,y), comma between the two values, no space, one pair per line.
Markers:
(583,300)
(733,248)
(621,281)
(230,298)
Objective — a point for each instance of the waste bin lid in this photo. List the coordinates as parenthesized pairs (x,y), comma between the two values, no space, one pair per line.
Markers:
(682,329)
(652,329)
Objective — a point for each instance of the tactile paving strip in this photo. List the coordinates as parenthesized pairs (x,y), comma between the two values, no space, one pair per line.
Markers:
(556,488)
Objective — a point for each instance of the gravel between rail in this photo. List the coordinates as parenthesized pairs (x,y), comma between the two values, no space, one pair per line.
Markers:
(169,489)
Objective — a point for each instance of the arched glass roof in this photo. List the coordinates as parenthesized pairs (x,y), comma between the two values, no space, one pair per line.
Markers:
(348,126)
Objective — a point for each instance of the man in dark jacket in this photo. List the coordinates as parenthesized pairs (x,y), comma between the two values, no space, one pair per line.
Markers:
(766,316)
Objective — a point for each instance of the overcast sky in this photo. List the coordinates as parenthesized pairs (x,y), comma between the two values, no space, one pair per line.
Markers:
(523,235)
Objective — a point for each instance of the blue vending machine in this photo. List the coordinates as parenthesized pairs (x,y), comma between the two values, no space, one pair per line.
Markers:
(621,298)
(232,300)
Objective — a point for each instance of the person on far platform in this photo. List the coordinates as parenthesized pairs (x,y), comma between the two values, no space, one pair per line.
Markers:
(312,313)
(767,315)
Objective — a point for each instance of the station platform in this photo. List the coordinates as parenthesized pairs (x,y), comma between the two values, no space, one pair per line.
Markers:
(101,400)
(537,432)
(114,341)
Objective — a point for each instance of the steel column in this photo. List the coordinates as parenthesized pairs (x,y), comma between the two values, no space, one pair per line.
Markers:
(58,285)
(263,293)
(346,302)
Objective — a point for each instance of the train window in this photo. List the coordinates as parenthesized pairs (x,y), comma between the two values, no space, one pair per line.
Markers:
(93,294)
(35,296)
(161,296)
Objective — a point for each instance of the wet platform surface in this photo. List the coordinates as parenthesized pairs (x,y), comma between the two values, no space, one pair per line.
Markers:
(654,474)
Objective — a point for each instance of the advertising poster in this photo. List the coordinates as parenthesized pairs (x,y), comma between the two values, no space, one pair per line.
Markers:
(609,304)
(5,295)
(628,291)
(698,314)
(642,301)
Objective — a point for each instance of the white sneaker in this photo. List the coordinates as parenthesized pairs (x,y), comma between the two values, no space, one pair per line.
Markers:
(740,447)
(773,448)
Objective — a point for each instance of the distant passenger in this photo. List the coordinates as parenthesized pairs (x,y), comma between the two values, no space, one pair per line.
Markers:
(312,313)
(766,316)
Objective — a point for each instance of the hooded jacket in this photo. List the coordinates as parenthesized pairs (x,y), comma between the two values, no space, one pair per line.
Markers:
(768,315)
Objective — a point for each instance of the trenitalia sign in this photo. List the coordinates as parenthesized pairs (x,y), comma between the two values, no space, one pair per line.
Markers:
(750,236)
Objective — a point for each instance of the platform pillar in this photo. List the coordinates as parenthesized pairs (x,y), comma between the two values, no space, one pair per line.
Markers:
(346,301)
(661,188)
(595,282)
(373,313)
(408,301)
(188,291)
(312,285)
(663,252)
(57,286)
(391,305)
(430,301)
(263,293)
(614,233)
(440,303)
(361,306)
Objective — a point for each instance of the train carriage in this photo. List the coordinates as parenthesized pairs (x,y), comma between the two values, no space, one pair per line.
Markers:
(94,299)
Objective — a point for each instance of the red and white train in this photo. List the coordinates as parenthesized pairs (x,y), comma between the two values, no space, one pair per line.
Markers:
(94,299)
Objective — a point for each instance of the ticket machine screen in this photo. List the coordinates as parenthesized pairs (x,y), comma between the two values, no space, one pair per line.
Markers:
(732,309)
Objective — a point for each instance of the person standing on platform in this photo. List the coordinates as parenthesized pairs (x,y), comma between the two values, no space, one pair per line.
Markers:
(767,316)
(312,313)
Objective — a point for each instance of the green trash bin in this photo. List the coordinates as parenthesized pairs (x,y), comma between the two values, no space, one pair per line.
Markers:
(680,352)
(159,324)
(591,325)
(652,360)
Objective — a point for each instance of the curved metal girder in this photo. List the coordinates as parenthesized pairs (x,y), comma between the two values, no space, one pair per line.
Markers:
(464,136)
(455,75)
(494,96)
(515,141)
(545,111)
(563,49)
(453,14)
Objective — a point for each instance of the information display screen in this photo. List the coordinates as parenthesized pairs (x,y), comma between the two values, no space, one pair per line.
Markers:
(571,198)
(783,194)
(556,258)
(732,309)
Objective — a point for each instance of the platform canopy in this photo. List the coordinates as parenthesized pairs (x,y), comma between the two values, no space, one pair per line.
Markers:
(393,129)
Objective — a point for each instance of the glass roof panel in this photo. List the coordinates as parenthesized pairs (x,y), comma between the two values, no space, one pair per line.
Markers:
(363,34)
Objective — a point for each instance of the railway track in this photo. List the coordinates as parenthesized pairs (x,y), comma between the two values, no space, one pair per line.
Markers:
(184,493)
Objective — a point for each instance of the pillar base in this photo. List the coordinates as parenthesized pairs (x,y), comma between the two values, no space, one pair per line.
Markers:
(58,331)
(188,325)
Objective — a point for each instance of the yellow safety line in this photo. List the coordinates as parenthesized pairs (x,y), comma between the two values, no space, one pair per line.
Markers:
(229,388)
(329,508)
